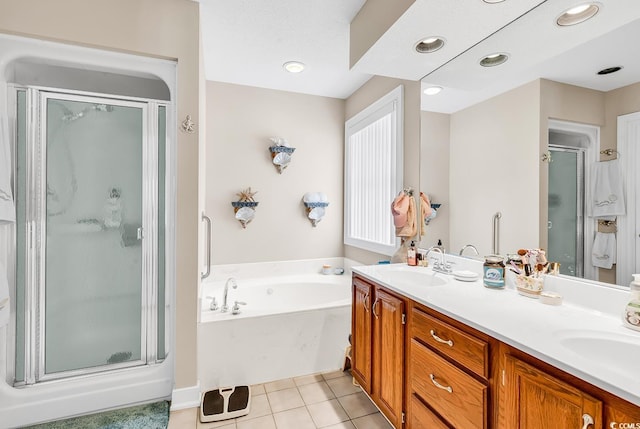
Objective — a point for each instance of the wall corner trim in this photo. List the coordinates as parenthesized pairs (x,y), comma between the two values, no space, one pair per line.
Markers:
(186,397)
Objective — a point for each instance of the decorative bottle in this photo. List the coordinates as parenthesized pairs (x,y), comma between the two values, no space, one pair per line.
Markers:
(631,313)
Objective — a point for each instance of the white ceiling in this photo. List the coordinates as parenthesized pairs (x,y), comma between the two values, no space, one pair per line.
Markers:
(247,41)
(538,48)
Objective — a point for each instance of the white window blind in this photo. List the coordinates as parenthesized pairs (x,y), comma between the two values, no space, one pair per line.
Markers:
(373,174)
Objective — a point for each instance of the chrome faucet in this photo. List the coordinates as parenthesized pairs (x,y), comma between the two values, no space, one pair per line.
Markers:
(225,306)
(469,246)
(439,266)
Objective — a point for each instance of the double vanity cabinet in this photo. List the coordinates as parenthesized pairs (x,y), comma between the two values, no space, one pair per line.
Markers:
(424,369)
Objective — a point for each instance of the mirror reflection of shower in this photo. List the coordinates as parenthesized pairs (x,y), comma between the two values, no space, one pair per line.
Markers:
(572,148)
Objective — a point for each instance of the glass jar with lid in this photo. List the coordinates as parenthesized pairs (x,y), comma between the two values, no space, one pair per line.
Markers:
(493,272)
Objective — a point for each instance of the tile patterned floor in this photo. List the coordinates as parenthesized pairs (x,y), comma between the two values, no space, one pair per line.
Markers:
(328,401)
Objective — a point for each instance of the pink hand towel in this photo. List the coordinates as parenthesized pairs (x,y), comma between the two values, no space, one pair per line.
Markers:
(399,209)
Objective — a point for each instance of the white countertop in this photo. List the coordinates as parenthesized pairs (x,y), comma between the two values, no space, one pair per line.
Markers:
(535,328)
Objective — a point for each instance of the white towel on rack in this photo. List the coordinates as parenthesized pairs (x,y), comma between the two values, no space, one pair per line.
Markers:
(603,254)
(606,191)
(7,208)
(5,308)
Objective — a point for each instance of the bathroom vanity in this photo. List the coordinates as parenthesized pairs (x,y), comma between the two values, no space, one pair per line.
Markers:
(434,352)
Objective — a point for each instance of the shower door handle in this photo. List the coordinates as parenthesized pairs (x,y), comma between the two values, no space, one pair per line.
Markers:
(204,275)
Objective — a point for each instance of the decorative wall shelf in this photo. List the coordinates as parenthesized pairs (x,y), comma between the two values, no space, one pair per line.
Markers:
(280,153)
(245,207)
(315,202)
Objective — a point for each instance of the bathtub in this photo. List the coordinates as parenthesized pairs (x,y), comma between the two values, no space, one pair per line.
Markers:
(296,322)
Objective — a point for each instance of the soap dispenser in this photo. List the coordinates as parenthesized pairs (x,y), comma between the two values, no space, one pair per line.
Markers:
(631,314)
(411,255)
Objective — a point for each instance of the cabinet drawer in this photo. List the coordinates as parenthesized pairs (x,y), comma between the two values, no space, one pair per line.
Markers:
(455,395)
(469,351)
(422,417)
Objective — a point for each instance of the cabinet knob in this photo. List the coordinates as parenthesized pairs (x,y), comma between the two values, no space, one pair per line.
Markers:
(587,420)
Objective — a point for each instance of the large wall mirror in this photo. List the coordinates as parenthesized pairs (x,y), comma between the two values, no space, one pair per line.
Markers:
(504,123)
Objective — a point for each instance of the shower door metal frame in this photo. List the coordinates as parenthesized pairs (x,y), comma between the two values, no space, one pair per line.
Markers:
(36,173)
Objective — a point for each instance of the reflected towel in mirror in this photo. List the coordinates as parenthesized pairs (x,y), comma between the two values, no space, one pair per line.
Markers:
(603,254)
(403,210)
(425,211)
(607,197)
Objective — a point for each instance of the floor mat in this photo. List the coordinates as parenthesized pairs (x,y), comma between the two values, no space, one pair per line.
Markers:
(148,416)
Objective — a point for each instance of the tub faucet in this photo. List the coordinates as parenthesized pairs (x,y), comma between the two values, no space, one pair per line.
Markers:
(439,266)
(469,246)
(225,306)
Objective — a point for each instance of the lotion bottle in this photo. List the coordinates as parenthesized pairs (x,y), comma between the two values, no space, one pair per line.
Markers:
(411,255)
(631,313)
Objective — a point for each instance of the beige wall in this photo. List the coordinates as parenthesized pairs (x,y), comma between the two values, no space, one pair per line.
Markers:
(434,173)
(494,168)
(240,121)
(618,102)
(368,93)
(159,28)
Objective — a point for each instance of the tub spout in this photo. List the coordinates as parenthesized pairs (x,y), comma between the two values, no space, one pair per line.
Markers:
(225,306)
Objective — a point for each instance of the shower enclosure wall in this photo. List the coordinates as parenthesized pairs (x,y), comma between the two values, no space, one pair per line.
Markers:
(91,254)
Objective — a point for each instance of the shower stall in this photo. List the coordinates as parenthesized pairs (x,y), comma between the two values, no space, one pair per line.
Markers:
(572,148)
(89,247)
(91,256)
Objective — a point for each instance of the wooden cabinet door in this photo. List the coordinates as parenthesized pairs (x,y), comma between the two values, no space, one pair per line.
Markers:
(388,355)
(535,400)
(361,333)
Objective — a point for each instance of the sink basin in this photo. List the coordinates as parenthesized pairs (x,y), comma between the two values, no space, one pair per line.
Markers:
(404,275)
(616,351)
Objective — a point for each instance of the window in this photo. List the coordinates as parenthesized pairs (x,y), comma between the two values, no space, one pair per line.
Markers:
(373,174)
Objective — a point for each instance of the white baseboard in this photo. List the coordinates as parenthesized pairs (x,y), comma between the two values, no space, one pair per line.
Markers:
(186,397)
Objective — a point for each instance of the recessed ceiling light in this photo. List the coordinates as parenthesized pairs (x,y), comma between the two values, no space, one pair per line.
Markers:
(430,44)
(494,60)
(610,70)
(433,90)
(578,14)
(293,66)
(493,1)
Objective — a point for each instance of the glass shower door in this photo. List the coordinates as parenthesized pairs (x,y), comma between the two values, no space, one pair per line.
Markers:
(92,306)
(91,234)
(566,190)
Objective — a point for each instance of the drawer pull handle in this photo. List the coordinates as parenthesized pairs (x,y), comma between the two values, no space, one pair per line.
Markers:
(440,340)
(373,308)
(587,421)
(440,386)
(364,302)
